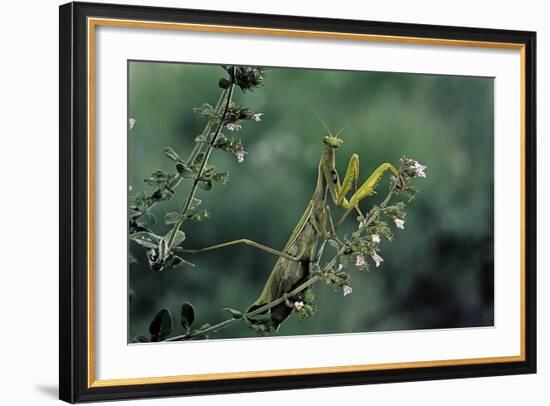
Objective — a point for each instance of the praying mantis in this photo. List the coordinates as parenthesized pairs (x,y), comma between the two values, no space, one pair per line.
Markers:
(292,266)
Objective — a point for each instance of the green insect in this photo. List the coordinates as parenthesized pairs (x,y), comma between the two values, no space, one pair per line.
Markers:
(292,266)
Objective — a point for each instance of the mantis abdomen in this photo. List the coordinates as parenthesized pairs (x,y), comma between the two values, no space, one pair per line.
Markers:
(286,274)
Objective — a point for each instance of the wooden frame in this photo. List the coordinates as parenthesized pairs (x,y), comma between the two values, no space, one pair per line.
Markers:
(77,24)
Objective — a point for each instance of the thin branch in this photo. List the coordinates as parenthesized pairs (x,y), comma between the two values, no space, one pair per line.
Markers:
(200,172)
(253,313)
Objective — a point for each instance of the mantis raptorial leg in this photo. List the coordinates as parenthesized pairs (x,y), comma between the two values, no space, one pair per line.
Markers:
(319,228)
(246,242)
(338,191)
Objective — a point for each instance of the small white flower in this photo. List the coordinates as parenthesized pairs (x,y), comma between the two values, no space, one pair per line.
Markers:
(347,290)
(257,117)
(376,238)
(240,155)
(419,168)
(377,259)
(233,126)
(340,267)
(359,260)
(131,123)
(399,223)
(361,225)
(298,305)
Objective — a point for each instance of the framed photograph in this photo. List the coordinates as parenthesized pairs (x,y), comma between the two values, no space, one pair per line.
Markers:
(256,202)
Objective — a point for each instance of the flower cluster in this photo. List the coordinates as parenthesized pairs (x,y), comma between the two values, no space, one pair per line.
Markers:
(334,277)
(246,77)
(236,113)
(363,245)
(410,169)
(303,304)
(233,119)
(232,145)
(239,154)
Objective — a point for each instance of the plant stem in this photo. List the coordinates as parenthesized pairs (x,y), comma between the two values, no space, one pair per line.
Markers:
(206,132)
(253,313)
(200,172)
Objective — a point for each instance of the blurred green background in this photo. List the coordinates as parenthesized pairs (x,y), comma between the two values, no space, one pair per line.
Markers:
(438,272)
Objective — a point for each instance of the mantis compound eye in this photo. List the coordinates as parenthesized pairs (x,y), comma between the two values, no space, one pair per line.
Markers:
(332,142)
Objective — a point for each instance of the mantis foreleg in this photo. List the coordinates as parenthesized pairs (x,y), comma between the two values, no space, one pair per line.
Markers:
(338,191)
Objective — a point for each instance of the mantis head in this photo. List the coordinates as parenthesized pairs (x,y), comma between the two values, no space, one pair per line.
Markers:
(332,141)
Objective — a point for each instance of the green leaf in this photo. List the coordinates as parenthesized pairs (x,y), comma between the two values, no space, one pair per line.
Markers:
(132,213)
(200,215)
(157,178)
(409,191)
(187,314)
(147,220)
(177,262)
(235,313)
(334,244)
(170,153)
(396,210)
(220,177)
(146,239)
(161,326)
(381,228)
(206,110)
(139,202)
(161,195)
(180,237)
(184,171)
(205,185)
(172,217)
(194,204)
(200,157)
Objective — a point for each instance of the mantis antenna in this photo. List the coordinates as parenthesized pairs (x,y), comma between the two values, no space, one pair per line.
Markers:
(342,129)
(326,126)
(320,119)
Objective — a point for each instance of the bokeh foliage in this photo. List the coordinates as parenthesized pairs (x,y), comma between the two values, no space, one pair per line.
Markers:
(438,273)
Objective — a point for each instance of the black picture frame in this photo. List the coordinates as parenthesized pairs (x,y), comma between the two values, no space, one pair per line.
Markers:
(74,385)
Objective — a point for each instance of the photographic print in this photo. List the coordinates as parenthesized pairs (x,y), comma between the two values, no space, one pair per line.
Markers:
(272,202)
(256,202)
